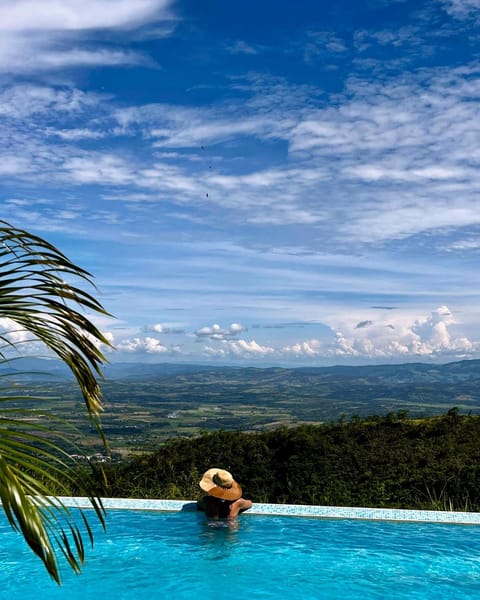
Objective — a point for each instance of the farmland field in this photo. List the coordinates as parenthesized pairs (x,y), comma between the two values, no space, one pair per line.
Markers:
(144,409)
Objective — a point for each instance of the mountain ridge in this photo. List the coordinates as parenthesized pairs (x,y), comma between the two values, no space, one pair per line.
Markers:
(464,370)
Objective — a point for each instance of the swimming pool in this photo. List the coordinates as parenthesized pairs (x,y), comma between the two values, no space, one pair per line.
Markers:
(150,555)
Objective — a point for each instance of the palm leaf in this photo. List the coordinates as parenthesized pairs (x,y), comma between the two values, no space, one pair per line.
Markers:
(39,295)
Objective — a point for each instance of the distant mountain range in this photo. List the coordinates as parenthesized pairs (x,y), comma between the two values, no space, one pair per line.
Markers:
(461,371)
(402,373)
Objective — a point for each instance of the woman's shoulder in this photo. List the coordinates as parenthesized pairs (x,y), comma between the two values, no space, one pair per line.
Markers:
(239,506)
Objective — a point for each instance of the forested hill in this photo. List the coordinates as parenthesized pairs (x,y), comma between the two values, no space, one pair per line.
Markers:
(389,461)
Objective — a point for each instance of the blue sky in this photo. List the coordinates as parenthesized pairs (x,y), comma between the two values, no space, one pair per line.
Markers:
(254,182)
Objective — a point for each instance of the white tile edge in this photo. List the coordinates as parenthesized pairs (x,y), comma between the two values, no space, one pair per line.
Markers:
(330,512)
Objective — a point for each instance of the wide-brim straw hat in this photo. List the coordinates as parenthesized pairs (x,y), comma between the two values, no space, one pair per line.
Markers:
(220,484)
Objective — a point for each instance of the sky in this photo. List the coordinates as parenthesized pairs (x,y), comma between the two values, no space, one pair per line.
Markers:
(254,183)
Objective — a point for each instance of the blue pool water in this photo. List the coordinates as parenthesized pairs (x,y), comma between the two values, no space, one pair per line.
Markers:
(146,555)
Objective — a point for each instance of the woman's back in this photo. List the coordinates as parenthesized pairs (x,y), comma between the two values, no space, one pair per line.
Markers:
(216,508)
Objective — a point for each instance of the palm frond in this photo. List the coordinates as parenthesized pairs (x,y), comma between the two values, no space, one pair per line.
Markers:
(39,295)
(35,295)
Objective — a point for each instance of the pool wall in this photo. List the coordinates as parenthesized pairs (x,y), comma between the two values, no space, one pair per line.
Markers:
(298,510)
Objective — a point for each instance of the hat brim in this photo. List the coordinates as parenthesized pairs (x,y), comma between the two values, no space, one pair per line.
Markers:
(234,492)
(231,493)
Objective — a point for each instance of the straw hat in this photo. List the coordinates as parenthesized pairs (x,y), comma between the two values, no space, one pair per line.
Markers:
(220,484)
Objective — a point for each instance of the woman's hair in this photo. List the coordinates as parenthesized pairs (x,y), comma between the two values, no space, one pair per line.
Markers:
(215,507)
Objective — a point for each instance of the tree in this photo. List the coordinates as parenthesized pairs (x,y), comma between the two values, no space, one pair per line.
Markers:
(40,306)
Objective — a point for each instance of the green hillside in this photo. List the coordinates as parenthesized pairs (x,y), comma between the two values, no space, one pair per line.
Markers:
(389,461)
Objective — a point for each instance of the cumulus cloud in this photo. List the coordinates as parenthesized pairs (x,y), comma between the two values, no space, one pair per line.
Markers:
(386,338)
(401,337)
(13,332)
(147,345)
(166,328)
(300,349)
(24,343)
(390,336)
(239,349)
(215,332)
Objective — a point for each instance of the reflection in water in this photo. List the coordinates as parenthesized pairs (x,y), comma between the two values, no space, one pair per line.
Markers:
(219,538)
(223,523)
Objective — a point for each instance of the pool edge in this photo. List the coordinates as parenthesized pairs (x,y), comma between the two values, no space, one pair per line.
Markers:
(298,510)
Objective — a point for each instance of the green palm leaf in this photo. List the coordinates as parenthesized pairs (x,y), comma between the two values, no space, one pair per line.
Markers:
(39,295)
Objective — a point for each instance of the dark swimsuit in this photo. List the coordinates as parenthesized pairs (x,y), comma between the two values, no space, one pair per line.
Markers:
(215,508)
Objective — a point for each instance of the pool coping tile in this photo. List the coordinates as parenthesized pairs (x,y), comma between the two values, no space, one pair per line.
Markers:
(297,510)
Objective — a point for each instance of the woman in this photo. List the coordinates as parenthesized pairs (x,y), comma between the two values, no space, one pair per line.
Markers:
(224,495)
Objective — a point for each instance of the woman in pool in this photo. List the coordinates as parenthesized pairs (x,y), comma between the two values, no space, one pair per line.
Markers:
(224,495)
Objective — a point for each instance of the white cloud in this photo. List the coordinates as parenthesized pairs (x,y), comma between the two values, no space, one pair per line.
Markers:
(215,332)
(308,348)
(202,131)
(410,36)
(322,44)
(236,328)
(98,168)
(433,172)
(13,165)
(397,337)
(138,345)
(366,155)
(395,157)
(434,329)
(78,134)
(24,53)
(27,100)
(11,331)
(241,47)
(462,8)
(57,33)
(388,160)
(239,349)
(387,335)
(397,219)
(392,337)
(166,328)
(462,245)
(73,58)
(56,15)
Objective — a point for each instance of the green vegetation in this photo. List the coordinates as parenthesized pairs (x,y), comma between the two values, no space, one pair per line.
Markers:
(147,404)
(389,461)
(290,435)
(40,307)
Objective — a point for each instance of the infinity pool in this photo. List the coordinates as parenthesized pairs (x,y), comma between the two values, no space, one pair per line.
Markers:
(150,555)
